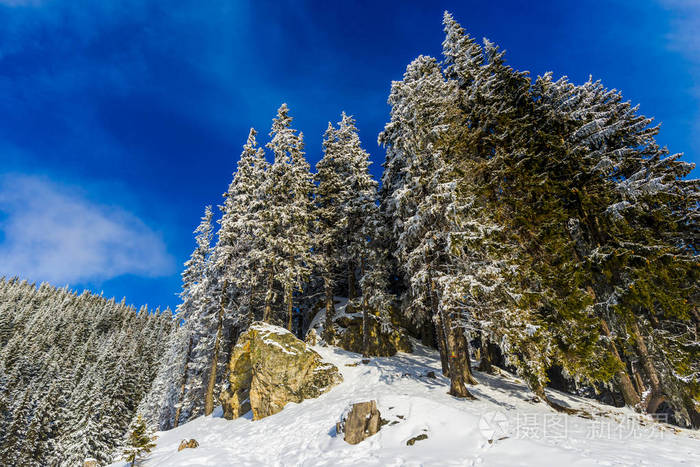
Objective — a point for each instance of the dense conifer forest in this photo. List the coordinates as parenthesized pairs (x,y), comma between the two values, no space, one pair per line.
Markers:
(530,222)
(73,368)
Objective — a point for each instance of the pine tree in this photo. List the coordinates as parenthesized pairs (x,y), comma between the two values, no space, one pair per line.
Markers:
(424,107)
(347,212)
(631,219)
(569,177)
(377,299)
(239,272)
(286,219)
(239,236)
(332,195)
(194,336)
(140,441)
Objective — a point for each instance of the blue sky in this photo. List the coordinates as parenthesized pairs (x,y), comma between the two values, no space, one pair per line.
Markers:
(120,120)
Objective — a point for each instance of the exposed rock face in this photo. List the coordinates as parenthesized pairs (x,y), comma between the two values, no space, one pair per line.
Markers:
(185,444)
(90,462)
(270,367)
(360,422)
(413,440)
(348,335)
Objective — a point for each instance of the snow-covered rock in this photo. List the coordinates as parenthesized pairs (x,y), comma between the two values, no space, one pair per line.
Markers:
(188,444)
(385,339)
(359,421)
(269,368)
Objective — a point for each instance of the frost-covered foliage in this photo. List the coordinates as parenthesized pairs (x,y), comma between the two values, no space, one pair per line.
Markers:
(542,217)
(533,219)
(534,223)
(261,258)
(287,239)
(73,368)
(349,231)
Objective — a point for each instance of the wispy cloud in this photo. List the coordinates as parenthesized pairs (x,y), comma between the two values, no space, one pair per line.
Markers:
(683,38)
(50,232)
(685,22)
(20,2)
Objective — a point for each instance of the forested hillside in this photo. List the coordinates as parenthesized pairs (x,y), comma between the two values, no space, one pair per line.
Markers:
(527,223)
(73,368)
(532,218)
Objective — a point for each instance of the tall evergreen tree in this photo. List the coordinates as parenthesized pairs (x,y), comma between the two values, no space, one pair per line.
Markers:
(165,402)
(286,240)
(347,213)
(423,108)
(239,236)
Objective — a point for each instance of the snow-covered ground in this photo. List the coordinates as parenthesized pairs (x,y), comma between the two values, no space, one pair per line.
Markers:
(504,427)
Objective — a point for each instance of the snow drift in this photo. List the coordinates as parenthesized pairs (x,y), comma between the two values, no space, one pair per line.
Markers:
(504,427)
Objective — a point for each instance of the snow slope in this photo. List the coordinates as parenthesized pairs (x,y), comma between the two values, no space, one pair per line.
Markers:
(504,427)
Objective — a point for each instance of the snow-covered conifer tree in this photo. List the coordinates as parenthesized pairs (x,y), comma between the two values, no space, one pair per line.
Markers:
(163,406)
(424,108)
(140,441)
(286,219)
(346,212)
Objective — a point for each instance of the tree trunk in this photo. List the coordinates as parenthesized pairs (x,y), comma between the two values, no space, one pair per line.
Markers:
(539,392)
(440,334)
(267,313)
(459,361)
(365,329)
(209,396)
(629,393)
(440,328)
(290,295)
(657,396)
(441,343)
(637,379)
(330,308)
(693,413)
(290,303)
(182,386)
(427,334)
(352,286)
(485,363)
(461,352)
(456,349)
(538,389)
(647,364)
(365,317)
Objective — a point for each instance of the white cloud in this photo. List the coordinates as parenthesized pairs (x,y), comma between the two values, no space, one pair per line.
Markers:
(54,233)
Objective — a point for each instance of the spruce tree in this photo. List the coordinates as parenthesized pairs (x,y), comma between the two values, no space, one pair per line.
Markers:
(286,220)
(424,107)
(347,214)
(140,441)
(239,236)
(331,197)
